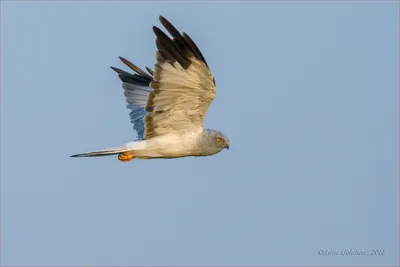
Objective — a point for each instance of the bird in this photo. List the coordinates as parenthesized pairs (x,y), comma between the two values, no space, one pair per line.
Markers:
(168,105)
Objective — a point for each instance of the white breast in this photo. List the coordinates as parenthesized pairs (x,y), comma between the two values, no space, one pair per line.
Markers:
(170,145)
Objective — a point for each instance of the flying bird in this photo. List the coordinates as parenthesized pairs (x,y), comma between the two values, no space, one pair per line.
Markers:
(168,105)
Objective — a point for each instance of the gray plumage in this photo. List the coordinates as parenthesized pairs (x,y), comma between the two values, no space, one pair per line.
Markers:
(168,105)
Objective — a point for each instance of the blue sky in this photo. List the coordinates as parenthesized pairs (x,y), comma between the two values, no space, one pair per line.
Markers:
(306,92)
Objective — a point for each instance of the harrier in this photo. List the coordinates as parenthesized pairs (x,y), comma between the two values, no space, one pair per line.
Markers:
(168,105)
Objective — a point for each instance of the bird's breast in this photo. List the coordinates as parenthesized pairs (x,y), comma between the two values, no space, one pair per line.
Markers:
(172,146)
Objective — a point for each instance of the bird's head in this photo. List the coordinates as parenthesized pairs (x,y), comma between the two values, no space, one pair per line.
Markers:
(217,140)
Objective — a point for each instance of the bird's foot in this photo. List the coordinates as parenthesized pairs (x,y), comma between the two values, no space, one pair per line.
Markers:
(126,156)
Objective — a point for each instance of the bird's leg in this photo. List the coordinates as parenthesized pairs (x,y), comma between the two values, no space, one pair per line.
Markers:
(126,156)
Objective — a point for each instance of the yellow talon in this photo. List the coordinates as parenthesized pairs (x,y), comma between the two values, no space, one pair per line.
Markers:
(126,156)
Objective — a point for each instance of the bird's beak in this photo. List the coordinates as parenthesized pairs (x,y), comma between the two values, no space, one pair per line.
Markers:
(227,145)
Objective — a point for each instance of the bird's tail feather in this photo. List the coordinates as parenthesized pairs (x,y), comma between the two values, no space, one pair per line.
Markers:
(104,152)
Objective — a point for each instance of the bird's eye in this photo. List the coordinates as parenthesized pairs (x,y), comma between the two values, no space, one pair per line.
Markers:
(219,140)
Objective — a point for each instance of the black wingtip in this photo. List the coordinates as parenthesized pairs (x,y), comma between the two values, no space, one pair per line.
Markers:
(156,30)
(135,68)
(163,20)
(150,71)
(116,69)
(194,47)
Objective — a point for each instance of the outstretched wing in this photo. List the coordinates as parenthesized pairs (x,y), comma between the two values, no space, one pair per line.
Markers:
(136,90)
(184,86)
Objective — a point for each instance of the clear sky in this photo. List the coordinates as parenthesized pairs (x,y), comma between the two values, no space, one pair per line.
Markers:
(306,92)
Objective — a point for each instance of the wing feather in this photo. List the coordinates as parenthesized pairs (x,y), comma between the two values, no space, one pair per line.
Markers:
(177,94)
(150,71)
(183,85)
(136,91)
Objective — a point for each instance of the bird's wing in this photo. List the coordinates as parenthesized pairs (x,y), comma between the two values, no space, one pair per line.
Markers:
(136,90)
(183,84)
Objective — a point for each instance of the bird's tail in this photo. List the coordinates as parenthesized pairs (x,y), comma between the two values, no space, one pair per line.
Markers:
(125,152)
